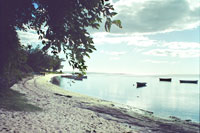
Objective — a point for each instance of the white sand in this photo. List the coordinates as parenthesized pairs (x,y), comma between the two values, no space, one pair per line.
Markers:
(59,115)
(76,114)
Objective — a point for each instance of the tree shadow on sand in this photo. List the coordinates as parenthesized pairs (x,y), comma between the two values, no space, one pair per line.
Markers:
(15,101)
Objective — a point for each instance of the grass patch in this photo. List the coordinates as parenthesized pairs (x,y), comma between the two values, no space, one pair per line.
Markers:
(15,101)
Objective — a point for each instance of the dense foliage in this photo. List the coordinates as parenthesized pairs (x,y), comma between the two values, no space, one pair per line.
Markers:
(41,61)
(65,21)
(28,61)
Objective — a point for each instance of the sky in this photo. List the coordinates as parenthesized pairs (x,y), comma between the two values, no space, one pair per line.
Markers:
(158,37)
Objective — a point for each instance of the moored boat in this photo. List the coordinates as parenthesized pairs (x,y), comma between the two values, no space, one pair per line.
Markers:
(189,81)
(84,77)
(165,79)
(140,84)
(74,76)
(66,76)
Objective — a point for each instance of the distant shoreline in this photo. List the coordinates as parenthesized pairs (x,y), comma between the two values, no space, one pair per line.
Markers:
(132,74)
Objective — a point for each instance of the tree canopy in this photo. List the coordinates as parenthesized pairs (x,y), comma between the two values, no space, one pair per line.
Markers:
(61,25)
(40,61)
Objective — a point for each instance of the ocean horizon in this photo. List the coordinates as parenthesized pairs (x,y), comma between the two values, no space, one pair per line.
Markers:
(141,74)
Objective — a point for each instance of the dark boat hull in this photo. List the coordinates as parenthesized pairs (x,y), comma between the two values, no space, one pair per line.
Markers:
(140,84)
(66,76)
(75,77)
(165,79)
(189,81)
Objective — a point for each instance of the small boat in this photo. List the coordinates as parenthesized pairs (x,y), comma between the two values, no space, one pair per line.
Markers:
(140,84)
(68,76)
(189,81)
(78,78)
(84,77)
(63,76)
(165,79)
(79,75)
(74,76)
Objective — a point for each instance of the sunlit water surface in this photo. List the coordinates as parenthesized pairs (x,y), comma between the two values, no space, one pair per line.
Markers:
(163,98)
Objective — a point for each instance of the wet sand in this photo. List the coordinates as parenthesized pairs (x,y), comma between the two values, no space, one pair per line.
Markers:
(62,111)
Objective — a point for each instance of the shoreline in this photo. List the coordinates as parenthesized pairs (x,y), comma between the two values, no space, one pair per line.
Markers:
(65,111)
(111,103)
(157,113)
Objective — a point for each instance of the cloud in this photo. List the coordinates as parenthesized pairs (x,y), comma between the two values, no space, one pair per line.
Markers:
(156,16)
(113,53)
(138,50)
(102,38)
(158,61)
(29,37)
(182,45)
(114,58)
(193,4)
(142,44)
(176,49)
(174,53)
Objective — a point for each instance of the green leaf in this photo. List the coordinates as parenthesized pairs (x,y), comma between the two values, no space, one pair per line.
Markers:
(117,23)
(40,37)
(87,55)
(45,47)
(90,50)
(102,2)
(113,14)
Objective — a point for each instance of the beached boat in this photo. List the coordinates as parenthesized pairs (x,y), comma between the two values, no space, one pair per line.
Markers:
(79,75)
(189,81)
(140,84)
(67,76)
(84,77)
(74,76)
(165,79)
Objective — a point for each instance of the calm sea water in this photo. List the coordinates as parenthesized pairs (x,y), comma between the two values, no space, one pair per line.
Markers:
(163,98)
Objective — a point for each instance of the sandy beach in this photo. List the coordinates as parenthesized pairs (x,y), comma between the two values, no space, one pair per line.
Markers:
(55,110)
